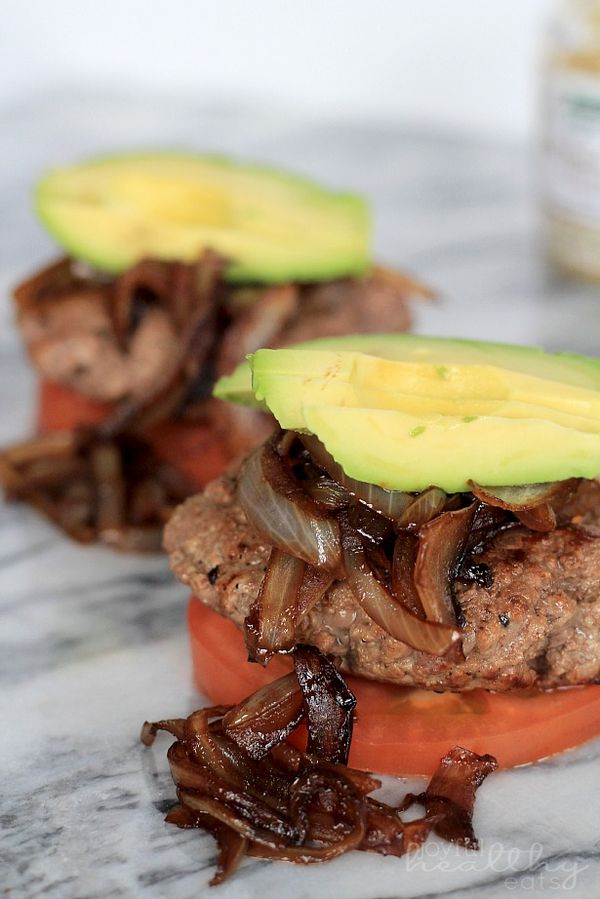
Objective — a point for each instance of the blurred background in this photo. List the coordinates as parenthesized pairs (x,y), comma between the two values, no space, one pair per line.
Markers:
(462,64)
(432,109)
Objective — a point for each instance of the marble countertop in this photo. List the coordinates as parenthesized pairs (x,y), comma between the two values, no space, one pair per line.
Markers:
(91,643)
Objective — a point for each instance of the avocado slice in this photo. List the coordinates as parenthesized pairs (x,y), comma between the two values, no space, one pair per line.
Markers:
(272,226)
(407,452)
(406,412)
(288,380)
(567,368)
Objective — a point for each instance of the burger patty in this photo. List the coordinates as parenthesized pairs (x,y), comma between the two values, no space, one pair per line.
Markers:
(71,339)
(537,625)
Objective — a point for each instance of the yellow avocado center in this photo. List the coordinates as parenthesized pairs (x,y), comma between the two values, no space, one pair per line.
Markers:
(407,424)
(170,200)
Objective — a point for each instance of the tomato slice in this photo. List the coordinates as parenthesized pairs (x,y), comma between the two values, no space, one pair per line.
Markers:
(191,448)
(404,730)
(60,409)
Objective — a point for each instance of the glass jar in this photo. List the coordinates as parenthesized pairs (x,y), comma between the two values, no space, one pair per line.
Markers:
(571,138)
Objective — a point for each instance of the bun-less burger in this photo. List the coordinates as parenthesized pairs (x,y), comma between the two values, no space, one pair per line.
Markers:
(177,266)
(427,516)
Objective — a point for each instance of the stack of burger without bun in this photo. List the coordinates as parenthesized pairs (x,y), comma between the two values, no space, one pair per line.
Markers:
(439,499)
(424,520)
(178,266)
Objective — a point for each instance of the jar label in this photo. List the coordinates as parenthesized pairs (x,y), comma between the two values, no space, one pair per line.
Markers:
(572,145)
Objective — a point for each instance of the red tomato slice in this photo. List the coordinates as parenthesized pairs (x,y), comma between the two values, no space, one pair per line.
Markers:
(402,730)
(191,448)
(60,408)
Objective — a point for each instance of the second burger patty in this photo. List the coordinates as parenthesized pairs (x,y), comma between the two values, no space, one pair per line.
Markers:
(538,625)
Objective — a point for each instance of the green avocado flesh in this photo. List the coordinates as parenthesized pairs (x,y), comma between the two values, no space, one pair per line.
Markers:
(406,412)
(272,226)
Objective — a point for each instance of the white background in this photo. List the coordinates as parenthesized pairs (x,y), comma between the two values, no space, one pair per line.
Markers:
(471,64)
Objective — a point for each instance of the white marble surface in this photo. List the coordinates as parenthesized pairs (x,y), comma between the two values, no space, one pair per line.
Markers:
(92,643)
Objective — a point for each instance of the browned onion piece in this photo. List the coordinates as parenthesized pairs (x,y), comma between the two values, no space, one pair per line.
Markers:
(441,545)
(174,726)
(364,782)
(386,832)
(542,518)
(392,616)
(403,566)
(450,796)
(533,504)
(182,817)
(267,717)
(232,847)
(315,584)
(150,276)
(244,820)
(292,761)
(270,626)
(59,444)
(327,492)
(487,522)
(116,492)
(217,753)
(40,474)
(279,509)
(191,777)
(329,705)
(342,801)
(196,341)
(527,496)
(390,503)
(422,508)
(298,806)
(107,470)
(346,802)
(375,527)
(206,747)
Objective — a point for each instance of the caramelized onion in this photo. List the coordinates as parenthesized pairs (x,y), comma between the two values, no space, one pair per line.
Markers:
(533,504)
(329,705)
(527,496)
(267,717)
(344,802)
(232,846)
(174,726)
(403,566)
(300,806)
(279,509)
(390,503)
(441,546)
(116,492)
(450,796)
(148,277)
(327,492)
(392,616)
(422,508)
(542,518)
(314,586)
(271,624)
(387,834)
(272,831)
(107,470)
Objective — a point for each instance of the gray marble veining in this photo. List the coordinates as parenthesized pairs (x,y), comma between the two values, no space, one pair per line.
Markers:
(91,643)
